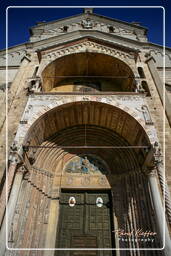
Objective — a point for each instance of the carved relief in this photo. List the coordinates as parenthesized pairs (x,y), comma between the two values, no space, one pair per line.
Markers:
(86,164)
(89,46)
(87,23)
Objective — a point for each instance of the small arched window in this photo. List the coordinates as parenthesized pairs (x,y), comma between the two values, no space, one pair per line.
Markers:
(141,72)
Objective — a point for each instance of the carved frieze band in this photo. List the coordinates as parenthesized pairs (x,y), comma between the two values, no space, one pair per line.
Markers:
(87,46)
(37,106)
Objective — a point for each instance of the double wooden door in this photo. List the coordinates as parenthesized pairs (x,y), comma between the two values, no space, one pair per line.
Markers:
(85,222)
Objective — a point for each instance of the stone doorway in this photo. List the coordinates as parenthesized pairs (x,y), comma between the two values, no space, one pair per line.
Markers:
(85,221)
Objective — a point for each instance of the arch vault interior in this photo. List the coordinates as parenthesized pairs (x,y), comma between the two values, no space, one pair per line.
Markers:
(86,72)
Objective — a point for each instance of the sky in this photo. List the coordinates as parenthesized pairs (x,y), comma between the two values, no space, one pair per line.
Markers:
(21,19)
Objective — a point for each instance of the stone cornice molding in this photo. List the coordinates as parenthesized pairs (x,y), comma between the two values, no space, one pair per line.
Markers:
(80,34)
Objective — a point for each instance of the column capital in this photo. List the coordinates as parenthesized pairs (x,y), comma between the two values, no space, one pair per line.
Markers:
(15,158)
(22,169)
(158,157)
(152,172)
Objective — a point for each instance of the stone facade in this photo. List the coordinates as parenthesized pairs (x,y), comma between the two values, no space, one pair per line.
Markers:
(83,85)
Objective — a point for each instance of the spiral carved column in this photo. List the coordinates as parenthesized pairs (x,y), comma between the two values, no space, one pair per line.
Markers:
(160,216)
(165,191)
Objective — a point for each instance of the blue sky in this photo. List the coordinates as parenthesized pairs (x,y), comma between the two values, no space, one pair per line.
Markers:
(21,19)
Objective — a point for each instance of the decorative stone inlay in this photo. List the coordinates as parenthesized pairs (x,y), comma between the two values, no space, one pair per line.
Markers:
(41,104)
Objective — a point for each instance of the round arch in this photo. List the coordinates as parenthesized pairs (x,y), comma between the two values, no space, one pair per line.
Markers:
(82,113)
(71,127)
(87,71)
(69,132)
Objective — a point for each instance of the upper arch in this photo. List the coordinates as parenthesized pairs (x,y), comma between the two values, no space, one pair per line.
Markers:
(69,65)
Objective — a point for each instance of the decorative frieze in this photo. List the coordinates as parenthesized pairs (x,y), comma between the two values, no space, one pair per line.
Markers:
(87,46)
(134,105)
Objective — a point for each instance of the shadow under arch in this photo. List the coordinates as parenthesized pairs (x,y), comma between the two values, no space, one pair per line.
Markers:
(87,112)
(84,71)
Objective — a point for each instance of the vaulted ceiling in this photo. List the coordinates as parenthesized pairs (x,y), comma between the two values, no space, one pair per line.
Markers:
(88,127)
(97,66)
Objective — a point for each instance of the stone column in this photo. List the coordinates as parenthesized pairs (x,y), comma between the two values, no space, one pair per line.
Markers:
(165,190)
(159,213)
(8,182)
(115,221)
(14,159)
(53,218)
(10,209)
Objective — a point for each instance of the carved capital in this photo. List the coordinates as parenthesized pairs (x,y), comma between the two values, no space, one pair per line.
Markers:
(14,158)
(158,157)
(152,172)
(22,169)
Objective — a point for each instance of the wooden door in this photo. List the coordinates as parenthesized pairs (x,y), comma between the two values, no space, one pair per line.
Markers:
(87,224)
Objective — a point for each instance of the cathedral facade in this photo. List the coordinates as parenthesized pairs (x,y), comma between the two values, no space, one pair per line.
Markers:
(88,167)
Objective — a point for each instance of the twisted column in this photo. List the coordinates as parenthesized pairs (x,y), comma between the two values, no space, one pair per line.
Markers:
(165,191)
(158,159)
(162,228)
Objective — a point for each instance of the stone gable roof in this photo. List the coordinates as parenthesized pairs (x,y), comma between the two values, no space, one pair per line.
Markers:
(87,21)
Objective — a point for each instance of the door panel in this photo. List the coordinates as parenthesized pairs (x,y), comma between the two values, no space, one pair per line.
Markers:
(84,225)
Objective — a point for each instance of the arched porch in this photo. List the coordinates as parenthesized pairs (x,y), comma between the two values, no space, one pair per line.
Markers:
(84,129)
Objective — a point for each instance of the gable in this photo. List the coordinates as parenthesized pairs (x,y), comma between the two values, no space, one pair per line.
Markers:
(88,22)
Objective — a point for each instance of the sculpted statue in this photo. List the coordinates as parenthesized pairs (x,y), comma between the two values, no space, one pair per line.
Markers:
(88,24)
(85,164)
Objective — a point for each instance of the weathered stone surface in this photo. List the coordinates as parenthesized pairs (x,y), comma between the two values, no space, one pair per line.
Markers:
(56,103)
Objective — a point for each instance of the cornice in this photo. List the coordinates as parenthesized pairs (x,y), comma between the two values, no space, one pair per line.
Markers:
(91,15)
(76,35)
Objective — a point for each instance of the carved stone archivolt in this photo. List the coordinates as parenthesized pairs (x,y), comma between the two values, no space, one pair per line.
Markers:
(131,105)
(87,46)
